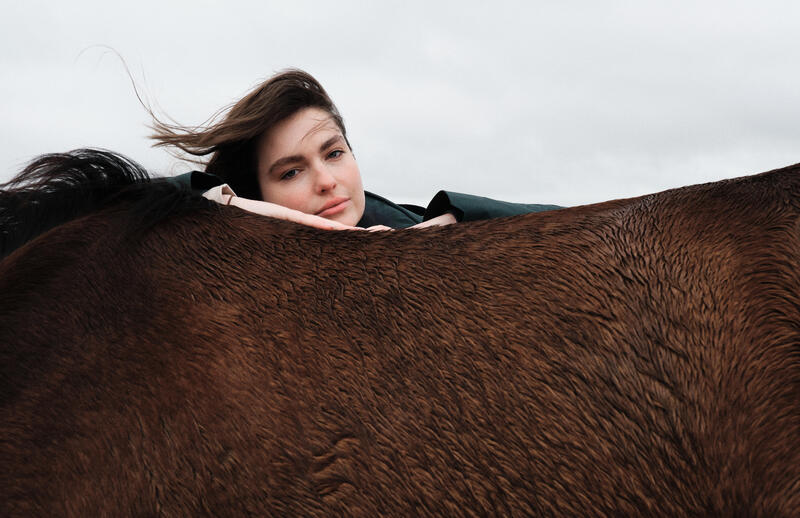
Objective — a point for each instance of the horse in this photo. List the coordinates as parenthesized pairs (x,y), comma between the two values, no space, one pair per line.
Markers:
(166,356)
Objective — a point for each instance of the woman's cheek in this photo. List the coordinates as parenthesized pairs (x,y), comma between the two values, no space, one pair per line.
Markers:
(281,195)
(300,195)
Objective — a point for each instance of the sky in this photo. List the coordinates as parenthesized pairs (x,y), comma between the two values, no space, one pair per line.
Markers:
(567,102)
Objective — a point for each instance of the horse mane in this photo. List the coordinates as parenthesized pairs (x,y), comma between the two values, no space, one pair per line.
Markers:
(59,187)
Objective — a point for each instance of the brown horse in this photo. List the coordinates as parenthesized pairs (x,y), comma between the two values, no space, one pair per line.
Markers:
(636,357)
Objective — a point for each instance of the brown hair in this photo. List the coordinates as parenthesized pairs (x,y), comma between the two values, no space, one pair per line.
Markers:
(233,139)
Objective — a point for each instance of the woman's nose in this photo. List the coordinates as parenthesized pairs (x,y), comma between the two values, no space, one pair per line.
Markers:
(325,180)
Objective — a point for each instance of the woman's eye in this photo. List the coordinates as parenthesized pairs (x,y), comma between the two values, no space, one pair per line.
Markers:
(291,173)
(335,153)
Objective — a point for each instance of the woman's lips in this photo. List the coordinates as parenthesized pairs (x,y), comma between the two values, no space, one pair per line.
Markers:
(332,210)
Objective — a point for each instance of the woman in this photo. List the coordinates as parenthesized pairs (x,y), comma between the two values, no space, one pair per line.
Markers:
(283,151)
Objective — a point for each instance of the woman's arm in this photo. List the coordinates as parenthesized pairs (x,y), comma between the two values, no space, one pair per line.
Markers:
(224,195)
(468,207)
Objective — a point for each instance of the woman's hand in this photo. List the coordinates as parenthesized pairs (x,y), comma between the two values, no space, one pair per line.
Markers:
(445,219)
(274,210)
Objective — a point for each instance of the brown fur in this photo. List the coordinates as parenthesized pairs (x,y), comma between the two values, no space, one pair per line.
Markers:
(636,357)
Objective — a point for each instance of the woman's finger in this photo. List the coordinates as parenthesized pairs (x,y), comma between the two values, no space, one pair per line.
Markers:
(317,222)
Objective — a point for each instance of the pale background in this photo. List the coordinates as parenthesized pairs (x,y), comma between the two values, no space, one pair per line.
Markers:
(564,102)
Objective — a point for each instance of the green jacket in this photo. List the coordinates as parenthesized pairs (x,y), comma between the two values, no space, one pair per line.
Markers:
(380,211)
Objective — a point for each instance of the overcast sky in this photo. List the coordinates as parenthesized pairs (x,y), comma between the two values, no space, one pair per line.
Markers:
(564,102)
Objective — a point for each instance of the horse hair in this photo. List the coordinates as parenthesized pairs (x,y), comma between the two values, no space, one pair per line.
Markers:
(59,187)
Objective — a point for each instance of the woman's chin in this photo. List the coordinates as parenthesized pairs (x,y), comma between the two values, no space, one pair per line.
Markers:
(347,217)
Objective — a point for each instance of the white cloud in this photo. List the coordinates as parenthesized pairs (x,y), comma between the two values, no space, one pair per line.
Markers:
(566,102)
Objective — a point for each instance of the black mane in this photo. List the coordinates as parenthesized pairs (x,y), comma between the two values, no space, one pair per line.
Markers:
(56,188)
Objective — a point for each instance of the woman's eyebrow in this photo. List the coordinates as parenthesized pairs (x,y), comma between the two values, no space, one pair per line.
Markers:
(284,161)
(331,141)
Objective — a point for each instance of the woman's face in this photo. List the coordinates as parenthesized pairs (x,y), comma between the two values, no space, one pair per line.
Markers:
(305,164)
